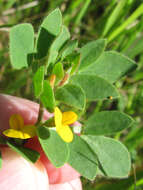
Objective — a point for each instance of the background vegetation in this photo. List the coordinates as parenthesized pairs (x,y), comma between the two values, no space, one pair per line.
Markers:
(121,23)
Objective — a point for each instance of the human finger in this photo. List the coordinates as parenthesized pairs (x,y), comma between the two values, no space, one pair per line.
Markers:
(70,185)
(28,110)
(19,174)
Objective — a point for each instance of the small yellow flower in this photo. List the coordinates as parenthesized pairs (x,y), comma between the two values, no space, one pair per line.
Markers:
(18,129)
(62,122)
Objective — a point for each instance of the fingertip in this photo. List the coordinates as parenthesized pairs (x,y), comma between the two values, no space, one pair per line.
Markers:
(17,173)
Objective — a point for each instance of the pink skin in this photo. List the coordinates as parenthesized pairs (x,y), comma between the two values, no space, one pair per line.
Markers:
(63,174)
(19,174)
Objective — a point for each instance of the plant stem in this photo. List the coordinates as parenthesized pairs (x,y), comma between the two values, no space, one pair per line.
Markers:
(40,114)
(135,178)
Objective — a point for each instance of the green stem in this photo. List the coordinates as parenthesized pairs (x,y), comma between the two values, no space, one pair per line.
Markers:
(135,178)
(49,123)
(40,114)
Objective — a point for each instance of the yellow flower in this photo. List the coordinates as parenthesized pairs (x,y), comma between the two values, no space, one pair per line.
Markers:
(62,120)
(18,129)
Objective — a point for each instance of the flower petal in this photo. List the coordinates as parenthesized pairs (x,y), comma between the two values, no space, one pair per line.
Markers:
(13,133)
(58,118)
(65,133)
(29,131)
(16,121)
(68,117)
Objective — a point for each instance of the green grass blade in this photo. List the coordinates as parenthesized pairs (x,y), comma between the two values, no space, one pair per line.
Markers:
(138,12)
(82,11)
(114,16)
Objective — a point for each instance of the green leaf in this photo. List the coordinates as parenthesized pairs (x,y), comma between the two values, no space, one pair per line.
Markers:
(38,81)
(95,87)
(21,45)
(112,155)
(90,52)
(49,30)
(47,96)
(69,48)
(111,66)
(82,158)
(58,70)
(3,140)
(61,39)
(107,122)
(52,23)
(54,147)
(75,63)
(0,160)
(71,95)
(27,153)
(58,43)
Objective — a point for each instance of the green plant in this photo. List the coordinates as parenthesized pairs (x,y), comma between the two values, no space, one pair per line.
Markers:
(69,77)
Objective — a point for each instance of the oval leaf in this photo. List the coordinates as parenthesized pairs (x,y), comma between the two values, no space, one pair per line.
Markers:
(49,29)
(95,87)
(54,147)
(69,48)
(21,45)
(38,81)
(47,96)
(111,66)
(112,155)
(58,71)
(75,59)
(107,122)
(58,43)
(90,52)
(71,95)
(27,153)
(82,158)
